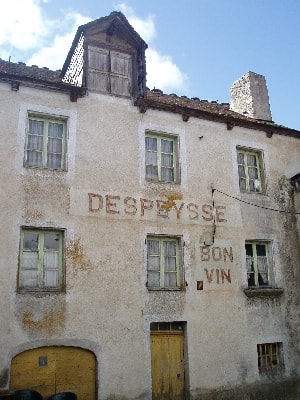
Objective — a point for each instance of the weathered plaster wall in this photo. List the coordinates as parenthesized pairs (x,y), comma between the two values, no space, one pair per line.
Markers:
(107,307)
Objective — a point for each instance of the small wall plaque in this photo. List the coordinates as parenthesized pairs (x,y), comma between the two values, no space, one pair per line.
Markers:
(43,361)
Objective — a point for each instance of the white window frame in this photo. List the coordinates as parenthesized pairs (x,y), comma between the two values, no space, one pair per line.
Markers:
(46,119)
(39,269)
(175,154)
(162,259)
(251,185)
(252,264)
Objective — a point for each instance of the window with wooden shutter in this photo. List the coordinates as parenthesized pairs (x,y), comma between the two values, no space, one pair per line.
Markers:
(110,71)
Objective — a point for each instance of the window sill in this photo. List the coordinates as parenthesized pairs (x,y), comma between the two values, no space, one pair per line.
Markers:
(43,168)
(163,183)
(179,289)
(40,293)
(263,292)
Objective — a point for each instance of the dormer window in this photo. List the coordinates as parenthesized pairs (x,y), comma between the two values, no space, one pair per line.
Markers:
(107,56)
(109,71)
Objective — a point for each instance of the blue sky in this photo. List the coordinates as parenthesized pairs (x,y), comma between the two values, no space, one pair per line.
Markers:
(197,48)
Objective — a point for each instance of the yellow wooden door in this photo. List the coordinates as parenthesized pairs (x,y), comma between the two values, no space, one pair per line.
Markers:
(55,369)
(167,366)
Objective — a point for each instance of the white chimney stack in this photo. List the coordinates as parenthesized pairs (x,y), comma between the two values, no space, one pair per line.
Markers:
(249,96)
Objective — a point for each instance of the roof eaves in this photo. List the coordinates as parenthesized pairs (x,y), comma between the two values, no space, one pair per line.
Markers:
(74,91)
(228,117)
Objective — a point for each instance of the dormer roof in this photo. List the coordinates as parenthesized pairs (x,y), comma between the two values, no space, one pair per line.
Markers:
(110,32)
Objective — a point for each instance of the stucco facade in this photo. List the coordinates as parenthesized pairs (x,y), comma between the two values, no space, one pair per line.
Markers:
(107,211)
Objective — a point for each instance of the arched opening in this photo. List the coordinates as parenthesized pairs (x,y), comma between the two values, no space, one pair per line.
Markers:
(55,369)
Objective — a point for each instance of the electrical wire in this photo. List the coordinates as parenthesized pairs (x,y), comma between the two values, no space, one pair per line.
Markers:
(257,205)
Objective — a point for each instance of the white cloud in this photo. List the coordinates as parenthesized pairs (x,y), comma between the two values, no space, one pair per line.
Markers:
(144,27)
(54,56)
(162,72)
(22,25)
(25,30)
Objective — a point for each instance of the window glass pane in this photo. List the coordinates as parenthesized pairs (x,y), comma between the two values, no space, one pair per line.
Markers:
(151,158)
(54,145)
(167,146)
(167,160)
(249,264)
(55,130)
(170,263)
(240,158)
(252,186)
(262,266)
(251,160)
(241,170)
(170,280)
(50,260)
(34,154)
(30,241)
(242,183)
(29,279)
(54,161)
(51,241)
(170,248)
(34,158)
(249,249)
(151,143)
(261,249)
(35,142)
(153,246)
(151,172)
(36,127)
(51,278)
(30,260)
(253,173)
(153,263)
(153,279)
(153,255)
(167,174)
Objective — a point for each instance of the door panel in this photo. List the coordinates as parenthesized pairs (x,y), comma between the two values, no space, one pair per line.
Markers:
(51,370)
(167,365)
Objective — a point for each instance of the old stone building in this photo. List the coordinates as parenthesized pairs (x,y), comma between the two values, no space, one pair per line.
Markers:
(149,244)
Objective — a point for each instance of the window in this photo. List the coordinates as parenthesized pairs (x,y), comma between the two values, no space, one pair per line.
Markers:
(258,264)
(45,143)
(166,326)
(41,259)
(250,170)
(161,158)
(269,356)
(164,263)
(109,71)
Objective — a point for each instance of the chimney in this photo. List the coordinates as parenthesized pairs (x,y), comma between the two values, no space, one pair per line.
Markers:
(249,96)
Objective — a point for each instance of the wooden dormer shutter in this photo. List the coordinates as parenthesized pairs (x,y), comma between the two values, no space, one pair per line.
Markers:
(109,71)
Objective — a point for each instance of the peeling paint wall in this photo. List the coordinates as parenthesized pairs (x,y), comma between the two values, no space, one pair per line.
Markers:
(107,208)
